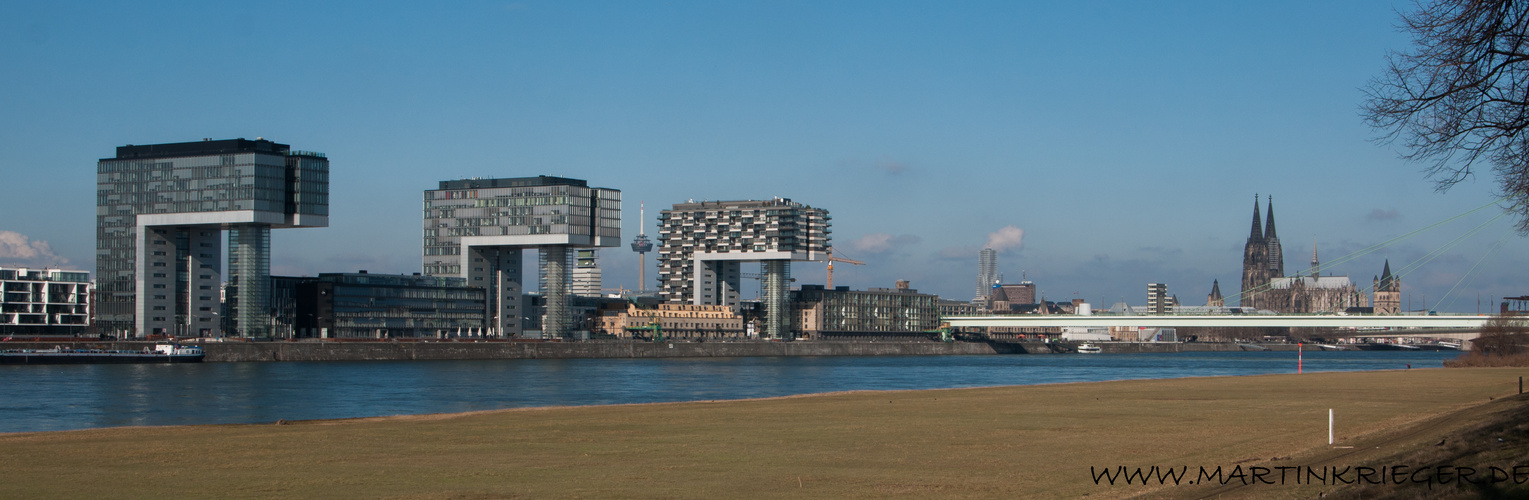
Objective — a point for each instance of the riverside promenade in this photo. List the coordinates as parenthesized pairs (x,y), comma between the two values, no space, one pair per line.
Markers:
(402,351)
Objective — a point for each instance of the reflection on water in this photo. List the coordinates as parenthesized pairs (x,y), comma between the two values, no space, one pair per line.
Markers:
(57,397)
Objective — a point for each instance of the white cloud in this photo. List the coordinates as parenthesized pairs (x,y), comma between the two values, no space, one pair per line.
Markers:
(876,243)
(1006,238)
(17,249)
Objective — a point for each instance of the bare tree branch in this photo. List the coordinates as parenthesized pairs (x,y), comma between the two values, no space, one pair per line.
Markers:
(1459,101)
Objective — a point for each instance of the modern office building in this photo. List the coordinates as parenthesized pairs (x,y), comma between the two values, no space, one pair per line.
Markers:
(477,229)
(702,245)
(376,306)
(586,273)
(43,301)
(160,213)
(822,312)
(987,272)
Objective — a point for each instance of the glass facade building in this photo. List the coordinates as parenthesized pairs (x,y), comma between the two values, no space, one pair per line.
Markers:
(879,310)
(361,305)
(160,213)
(476,229)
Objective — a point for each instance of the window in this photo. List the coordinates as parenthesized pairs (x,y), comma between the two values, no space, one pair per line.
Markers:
(159,252)
(205,297)
(206,308)
(159,275)
(159,285)
(206,276)
(204,287)
(159,264)
(159,308)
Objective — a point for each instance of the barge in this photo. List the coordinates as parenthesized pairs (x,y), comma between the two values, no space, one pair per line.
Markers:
(162,353)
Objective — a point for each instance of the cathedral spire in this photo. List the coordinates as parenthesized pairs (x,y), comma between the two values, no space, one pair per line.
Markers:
(1275,254)
(1258,231)
(1269,227)
(1316,265)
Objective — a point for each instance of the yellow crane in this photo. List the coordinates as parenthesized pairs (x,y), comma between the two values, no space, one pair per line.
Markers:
(831,261)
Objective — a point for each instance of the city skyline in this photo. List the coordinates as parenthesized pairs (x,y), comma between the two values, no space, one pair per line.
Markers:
(1103,146)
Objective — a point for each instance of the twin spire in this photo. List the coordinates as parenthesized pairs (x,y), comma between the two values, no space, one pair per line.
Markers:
(1260,231)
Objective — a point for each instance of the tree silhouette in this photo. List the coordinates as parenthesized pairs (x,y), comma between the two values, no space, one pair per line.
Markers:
(1459,100)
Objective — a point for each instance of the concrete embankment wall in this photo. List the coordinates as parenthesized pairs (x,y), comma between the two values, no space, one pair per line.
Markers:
(402,351)
(335,351)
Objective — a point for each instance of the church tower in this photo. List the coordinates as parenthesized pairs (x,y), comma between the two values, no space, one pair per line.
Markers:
(1388,292)
(1255,263)
(1215,299)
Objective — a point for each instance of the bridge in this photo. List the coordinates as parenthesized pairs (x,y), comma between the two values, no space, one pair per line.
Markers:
(1235,320)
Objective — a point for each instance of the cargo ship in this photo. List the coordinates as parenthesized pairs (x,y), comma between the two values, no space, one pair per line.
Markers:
(161,353)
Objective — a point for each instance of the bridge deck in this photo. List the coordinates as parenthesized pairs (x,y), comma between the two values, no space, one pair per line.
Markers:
(1244,320)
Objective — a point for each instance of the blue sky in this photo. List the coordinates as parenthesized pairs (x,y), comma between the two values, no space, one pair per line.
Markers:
(1125,139)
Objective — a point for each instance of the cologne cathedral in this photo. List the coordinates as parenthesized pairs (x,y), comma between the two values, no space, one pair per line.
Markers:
(1265,286)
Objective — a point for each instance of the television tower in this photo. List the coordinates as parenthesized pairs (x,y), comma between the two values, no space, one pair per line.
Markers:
(642,246)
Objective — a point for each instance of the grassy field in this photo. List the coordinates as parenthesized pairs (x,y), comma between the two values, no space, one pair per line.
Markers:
(1007,442)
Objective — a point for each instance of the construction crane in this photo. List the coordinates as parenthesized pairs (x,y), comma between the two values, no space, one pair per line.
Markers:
(831,261)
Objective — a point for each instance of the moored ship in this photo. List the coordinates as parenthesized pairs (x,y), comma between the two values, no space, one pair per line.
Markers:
(161,353)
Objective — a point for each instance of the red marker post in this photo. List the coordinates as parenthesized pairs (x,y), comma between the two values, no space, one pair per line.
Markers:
(1299,348)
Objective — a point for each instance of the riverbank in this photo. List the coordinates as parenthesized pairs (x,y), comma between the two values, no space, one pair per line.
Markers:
(1024,441)
(404,351)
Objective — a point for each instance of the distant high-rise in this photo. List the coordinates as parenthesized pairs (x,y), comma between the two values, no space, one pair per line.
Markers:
(1158,301)
(477,228)
(987,272)
(160,211)
(586,273)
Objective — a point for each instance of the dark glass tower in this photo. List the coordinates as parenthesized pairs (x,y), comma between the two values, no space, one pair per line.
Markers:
(160,213)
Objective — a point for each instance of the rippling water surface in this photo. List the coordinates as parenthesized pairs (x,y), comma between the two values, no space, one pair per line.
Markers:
(58,397)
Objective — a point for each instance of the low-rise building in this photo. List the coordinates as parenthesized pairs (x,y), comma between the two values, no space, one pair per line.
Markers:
(674,321)
(821,312)
(44,301)
(362,305)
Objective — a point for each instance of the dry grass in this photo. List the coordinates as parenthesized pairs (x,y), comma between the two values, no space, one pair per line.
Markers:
(1032,441)
(1477,359)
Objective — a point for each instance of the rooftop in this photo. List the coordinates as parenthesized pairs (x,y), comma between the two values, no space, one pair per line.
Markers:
(540,180)
(205,147)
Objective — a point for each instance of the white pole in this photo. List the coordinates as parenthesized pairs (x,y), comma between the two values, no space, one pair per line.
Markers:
(1329,426)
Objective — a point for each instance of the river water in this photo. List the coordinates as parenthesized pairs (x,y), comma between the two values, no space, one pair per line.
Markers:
(60,397)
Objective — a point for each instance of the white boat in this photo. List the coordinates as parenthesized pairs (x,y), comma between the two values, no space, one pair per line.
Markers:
(1087,348)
